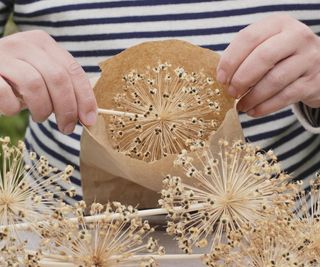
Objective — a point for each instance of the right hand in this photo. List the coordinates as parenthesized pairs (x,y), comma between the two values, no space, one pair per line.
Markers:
(38,74)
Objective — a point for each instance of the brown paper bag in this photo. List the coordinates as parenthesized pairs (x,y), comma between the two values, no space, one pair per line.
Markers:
(110,175)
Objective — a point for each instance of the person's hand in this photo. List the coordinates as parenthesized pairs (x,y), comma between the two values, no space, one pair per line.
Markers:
(271,64)
(38,74)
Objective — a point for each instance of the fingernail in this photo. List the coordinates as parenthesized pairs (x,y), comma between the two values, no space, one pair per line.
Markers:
(232,91)
(251,112)
(69,128)
(221,76)
(91,118)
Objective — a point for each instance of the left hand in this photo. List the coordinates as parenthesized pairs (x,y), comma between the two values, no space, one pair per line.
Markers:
(271,64)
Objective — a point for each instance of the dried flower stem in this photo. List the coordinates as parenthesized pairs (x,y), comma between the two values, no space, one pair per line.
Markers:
(51,260)
(118,113)
(96,218)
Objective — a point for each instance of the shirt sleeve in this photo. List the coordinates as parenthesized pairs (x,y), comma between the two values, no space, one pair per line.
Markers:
(6,7)
(308,117)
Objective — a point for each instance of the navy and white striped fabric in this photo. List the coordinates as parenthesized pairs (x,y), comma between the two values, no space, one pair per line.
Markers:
(93,30)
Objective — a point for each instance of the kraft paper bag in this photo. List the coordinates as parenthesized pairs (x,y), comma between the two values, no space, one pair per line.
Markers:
(110,175)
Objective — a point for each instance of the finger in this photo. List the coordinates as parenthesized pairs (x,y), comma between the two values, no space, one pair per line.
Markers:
(87,105)
(289,95)
(9,103)
(59,86)
(263,58)
(244,43)
(29,84)
(86,101)
(283,74)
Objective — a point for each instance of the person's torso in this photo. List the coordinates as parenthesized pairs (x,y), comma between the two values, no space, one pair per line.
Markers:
(97,29)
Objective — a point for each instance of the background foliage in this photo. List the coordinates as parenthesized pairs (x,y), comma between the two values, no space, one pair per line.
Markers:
(13,126)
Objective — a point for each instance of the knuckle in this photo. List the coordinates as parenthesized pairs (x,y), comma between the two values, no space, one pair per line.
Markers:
(226,63)
(281,17)
(75,69)
(39,35)
(13,43)
(266,56)
(288,95)
(275,78)
(59,77)
(250,36)
(304,32)
(34,83)
(239,82)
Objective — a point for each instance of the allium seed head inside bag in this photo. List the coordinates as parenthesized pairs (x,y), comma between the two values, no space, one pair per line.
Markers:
(171,87)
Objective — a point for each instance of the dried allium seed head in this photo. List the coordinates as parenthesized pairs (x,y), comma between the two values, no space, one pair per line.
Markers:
(110,241)
(307,216)
(272,243)
(222,192)
(10,253)
(24,199)
(180,110)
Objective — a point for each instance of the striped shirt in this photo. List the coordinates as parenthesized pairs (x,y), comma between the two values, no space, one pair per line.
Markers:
(97,29)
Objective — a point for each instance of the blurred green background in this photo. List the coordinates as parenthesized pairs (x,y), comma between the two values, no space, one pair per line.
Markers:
(13,126)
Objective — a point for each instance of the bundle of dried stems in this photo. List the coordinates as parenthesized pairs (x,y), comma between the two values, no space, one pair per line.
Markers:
(32,200)
(238,202)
